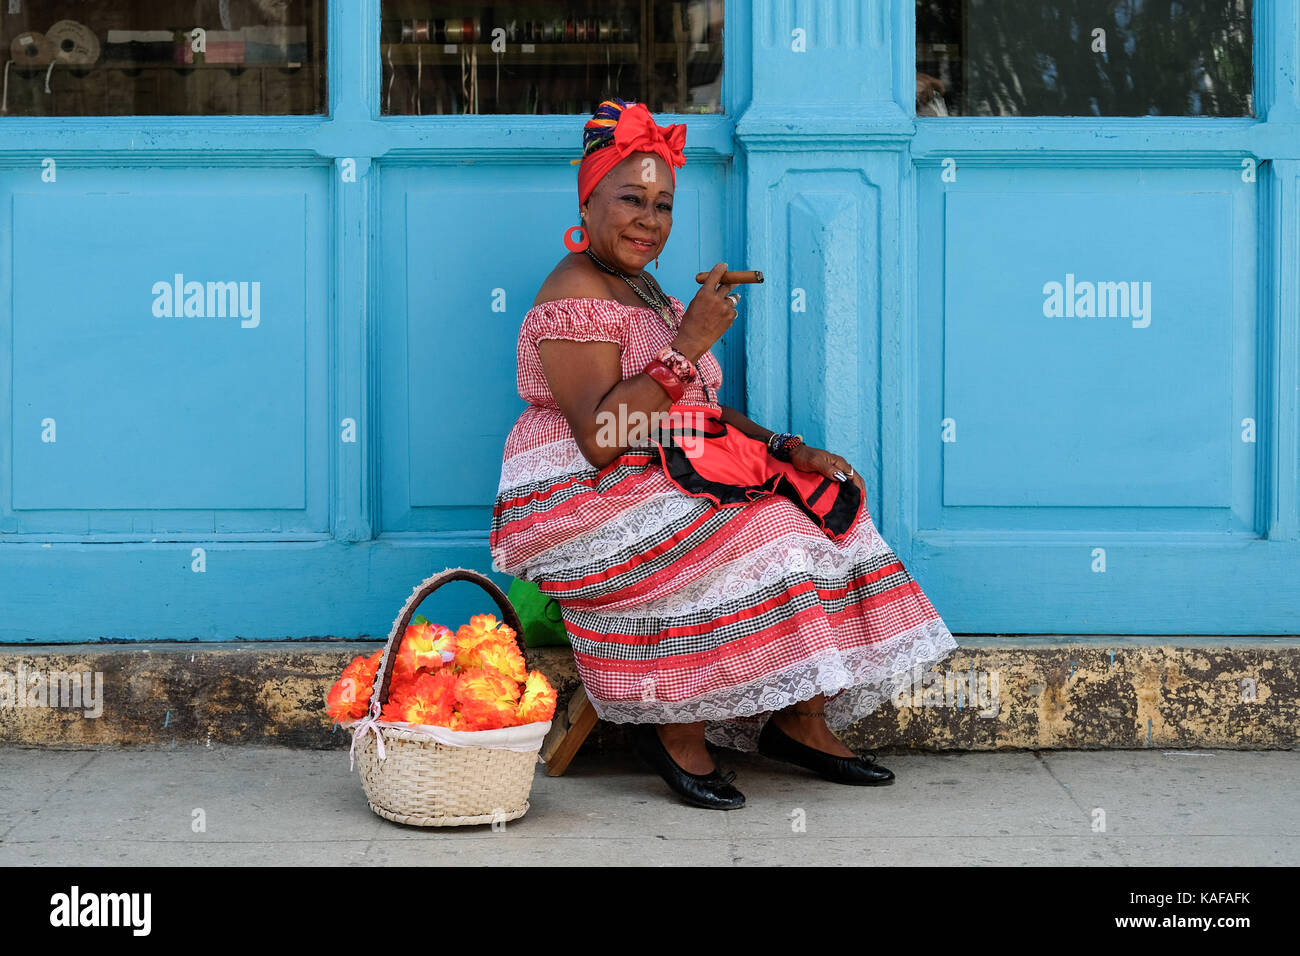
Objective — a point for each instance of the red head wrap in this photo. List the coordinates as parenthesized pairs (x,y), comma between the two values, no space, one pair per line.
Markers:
(635,132)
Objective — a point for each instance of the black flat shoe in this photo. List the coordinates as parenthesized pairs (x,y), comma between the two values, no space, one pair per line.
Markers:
(712,790)
(863,772)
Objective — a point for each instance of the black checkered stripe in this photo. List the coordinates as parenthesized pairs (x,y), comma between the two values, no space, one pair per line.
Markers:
(676,645)
(565,585)
(541,499)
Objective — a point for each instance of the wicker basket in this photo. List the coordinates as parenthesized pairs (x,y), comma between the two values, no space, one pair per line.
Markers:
(423,782)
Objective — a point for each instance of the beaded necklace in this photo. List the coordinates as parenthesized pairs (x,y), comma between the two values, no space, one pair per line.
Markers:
(655,297)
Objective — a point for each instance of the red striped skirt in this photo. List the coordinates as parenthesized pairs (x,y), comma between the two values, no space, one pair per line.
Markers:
(681,610)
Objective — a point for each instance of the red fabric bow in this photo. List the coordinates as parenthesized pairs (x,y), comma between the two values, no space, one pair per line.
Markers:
(636,132)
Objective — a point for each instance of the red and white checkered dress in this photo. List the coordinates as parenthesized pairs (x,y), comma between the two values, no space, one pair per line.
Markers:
(679,610)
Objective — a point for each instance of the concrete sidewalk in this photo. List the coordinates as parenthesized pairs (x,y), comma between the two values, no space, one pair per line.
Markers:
(264,805)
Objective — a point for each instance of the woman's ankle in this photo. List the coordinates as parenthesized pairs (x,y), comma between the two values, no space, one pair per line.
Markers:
(689,734)
(805,710)
(687,747)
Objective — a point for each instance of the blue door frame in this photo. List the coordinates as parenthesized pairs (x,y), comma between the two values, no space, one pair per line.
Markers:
(295,478)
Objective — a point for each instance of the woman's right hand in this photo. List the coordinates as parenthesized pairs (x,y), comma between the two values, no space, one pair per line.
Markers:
(708,316)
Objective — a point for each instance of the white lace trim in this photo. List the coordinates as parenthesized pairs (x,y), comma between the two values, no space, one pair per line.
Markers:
(552,460)
(868,677)
(643,521)
(792,554)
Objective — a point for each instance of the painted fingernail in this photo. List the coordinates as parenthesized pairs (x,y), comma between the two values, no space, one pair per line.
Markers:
(840,476)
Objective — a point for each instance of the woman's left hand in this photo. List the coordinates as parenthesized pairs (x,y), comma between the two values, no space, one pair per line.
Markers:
(808,458)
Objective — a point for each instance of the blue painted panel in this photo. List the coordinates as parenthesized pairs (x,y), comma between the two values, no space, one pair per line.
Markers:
(165,332)
(1131,418)
(1088,406)
(466,296)
(462,258)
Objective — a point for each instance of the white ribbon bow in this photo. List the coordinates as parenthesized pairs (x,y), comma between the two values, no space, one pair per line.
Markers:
(370,723)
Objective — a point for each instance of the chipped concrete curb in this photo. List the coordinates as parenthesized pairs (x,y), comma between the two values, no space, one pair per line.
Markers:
(1085,696)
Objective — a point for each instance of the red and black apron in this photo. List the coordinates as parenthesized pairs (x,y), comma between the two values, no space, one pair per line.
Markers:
(706,458)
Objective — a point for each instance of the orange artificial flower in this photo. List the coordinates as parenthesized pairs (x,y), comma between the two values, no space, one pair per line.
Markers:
(349,698)
(424,646)
(435,690)
(401,682)
(484,623)
(428,699)
(502,655)
(481,627)
(486,698)
(346,701)
(487,685)
(422,711)
(364,668)
(538,700)
(444,642)
(394,711)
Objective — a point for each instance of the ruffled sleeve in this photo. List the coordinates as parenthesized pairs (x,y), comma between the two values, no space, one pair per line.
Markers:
(579,320)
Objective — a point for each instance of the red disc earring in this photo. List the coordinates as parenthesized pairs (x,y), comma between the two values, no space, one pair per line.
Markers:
(571,244)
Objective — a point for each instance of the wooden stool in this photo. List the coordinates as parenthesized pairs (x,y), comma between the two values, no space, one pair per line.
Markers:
(568,730)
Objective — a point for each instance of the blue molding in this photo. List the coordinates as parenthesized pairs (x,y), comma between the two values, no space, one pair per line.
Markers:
(1280,349)
(790,129)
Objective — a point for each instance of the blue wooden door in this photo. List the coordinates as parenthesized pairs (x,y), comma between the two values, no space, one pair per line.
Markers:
(1103,338)
(1057,326)
(256,372)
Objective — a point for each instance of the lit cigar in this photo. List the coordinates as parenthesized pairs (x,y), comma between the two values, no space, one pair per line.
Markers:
(734,278)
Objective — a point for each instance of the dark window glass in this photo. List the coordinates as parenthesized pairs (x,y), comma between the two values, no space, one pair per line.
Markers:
(163,57)
(448,56)
(1084,58)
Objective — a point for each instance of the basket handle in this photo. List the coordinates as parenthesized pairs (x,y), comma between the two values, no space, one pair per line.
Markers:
(422,591)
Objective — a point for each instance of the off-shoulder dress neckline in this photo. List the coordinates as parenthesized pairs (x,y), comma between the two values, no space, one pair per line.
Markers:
(592,298)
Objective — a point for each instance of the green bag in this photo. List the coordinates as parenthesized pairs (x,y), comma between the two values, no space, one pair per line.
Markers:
(540,615)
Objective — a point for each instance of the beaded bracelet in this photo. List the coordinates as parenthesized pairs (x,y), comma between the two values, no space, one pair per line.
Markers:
(780,444)
(681,366)
(667,380)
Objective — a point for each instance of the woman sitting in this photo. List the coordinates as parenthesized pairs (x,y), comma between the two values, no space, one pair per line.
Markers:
(734,591)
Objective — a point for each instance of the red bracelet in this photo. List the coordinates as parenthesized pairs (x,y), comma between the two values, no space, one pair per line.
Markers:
(680,365)
(669,382)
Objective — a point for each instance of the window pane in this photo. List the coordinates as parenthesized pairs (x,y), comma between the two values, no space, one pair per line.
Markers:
(163,57)
(550,57)
(1084,58)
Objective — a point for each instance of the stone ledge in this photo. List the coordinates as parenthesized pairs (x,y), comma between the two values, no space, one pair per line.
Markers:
(1070,696)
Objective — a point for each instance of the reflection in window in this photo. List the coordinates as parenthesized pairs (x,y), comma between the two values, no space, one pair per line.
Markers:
(162,57)
(550,56)
(1084,58)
